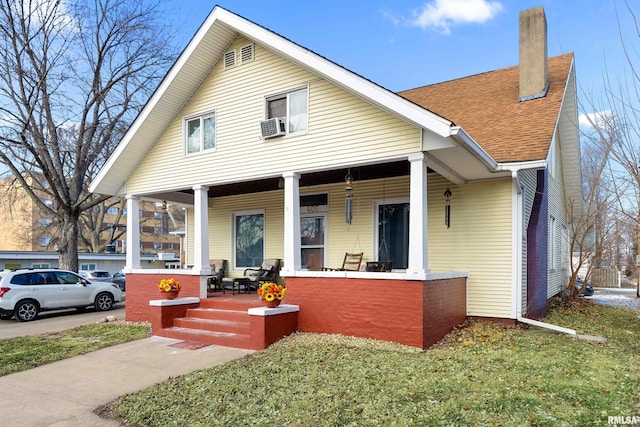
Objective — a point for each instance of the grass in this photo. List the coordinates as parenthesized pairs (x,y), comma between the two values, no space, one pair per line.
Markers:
(481,374)
(22,353)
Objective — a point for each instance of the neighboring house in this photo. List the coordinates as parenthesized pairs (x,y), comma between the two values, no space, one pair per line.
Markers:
(463,185)
(25,227)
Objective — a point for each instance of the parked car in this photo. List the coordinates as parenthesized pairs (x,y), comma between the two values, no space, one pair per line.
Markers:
(96,275)
(587,291)
(120,280)
(26,292)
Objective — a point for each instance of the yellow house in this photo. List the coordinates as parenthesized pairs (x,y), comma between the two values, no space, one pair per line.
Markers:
(279,153)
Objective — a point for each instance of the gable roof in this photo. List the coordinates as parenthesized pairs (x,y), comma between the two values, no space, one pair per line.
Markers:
(205,49)
(486,105)
(483,102)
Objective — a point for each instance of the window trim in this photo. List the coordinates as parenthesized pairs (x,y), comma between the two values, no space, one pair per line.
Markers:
(286,94)
(234,233)
(185,132)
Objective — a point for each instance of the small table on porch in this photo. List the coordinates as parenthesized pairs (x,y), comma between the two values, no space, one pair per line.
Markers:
(235,284)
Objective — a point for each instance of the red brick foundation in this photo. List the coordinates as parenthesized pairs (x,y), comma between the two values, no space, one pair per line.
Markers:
(415,313)
(142,288)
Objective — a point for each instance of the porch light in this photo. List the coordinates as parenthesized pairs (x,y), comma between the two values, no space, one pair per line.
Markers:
(447,207)
(348,203)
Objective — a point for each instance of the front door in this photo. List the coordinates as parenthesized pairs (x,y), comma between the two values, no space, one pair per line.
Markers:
(313,226)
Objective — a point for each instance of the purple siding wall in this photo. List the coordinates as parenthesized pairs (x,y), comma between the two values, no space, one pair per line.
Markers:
(537,250)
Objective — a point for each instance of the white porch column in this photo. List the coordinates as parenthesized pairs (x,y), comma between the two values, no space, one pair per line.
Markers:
(418,215)
(291,223)
(201,229)
(132,257)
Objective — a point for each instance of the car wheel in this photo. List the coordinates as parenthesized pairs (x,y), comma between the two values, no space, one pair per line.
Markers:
(103,302)
(5,316)
(26,310)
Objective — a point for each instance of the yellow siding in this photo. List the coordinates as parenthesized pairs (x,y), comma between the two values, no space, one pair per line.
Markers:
(478,241)
(342,129)
(221,225)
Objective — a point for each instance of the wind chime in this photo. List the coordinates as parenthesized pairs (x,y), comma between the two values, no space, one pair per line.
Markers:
(447,208)
(348,197)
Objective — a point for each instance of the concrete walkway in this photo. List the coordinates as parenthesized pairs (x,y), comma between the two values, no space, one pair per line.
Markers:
(66,393)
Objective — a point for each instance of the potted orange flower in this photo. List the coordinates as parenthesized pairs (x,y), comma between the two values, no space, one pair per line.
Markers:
(169,288)
(271,293)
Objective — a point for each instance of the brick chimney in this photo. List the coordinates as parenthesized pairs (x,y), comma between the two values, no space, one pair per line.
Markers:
(533,54)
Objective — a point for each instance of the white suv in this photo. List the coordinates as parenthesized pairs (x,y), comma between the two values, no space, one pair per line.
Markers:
(25,292)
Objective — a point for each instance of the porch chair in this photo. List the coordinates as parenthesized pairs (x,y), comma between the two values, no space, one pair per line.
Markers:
(269,271)
(218,270)
(378,266)
(351,262)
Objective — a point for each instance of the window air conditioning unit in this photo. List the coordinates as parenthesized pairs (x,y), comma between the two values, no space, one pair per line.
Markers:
(273,127)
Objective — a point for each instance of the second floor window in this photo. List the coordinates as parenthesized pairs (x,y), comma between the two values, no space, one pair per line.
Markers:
(200,133)
(293,106)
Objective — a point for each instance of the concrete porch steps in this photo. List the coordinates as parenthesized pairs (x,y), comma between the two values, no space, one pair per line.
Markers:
(220,321)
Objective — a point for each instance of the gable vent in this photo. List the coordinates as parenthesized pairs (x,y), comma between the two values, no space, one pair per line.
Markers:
(230,59)
(246,53)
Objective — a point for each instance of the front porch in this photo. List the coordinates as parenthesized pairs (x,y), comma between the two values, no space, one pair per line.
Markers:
(384,306)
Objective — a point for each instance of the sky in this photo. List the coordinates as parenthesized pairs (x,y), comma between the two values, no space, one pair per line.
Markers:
(403,44)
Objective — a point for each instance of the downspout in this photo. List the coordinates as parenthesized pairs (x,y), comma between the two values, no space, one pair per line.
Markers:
(517,287)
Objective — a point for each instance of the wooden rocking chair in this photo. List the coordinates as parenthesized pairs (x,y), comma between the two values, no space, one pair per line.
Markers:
(351,262)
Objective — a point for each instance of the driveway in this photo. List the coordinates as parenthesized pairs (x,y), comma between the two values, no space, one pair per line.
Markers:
(618,297)
(55,321)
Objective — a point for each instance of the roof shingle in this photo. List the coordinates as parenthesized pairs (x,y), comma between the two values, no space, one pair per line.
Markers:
(486,105)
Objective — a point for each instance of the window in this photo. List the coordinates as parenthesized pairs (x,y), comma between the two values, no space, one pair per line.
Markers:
(170,245)
(248,239)
(392,232)
(44,240)
(88,266)
(293,106)
(45,221)
(157,230)
(552,243)
(40,265)
(157,214)
(47,202)
(157,245)
(200,133)
(113,210)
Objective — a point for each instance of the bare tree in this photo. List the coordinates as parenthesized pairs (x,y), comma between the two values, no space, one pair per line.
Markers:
(591,231)
(73,75)
(616,124)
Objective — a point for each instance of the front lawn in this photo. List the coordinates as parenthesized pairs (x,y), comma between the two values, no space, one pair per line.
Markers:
(482,374)
(22,353)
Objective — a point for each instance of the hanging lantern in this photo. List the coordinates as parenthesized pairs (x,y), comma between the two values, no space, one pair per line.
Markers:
(348,202)
(447,208)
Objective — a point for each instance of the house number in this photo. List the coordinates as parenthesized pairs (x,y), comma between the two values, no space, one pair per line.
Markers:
(312,209)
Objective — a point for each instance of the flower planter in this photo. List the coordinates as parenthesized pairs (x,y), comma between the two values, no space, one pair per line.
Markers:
(272,304)
(173,294)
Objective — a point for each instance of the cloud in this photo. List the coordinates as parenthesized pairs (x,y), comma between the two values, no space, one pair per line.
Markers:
(599,118)
(442,14)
